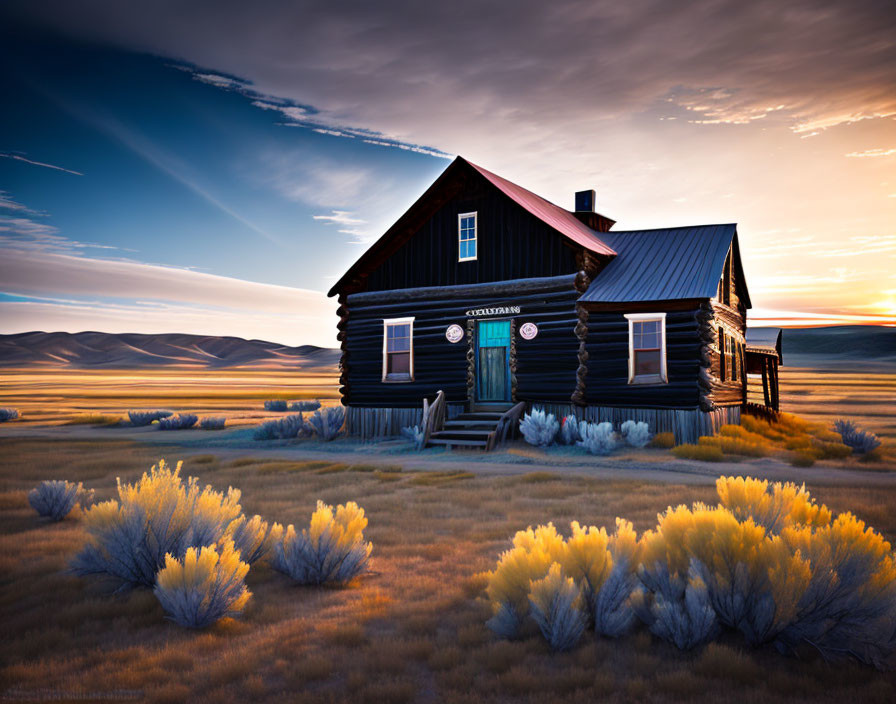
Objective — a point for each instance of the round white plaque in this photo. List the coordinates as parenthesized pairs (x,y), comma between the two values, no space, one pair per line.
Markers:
(528,331)
(454,333)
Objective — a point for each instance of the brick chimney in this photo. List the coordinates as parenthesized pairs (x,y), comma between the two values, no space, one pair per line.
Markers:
(585,212)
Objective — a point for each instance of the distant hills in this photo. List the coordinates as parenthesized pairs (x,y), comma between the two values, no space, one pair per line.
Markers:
(860,346)
(100,350)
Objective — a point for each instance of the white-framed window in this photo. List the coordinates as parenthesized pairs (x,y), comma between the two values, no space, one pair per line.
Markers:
(466,237)
(398,349)
(647,348)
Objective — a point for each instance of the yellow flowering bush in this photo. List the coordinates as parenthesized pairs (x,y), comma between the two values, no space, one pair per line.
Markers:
(554,601)
(767,561)
(158,515)
(600,565)
(331,549)
(203,587)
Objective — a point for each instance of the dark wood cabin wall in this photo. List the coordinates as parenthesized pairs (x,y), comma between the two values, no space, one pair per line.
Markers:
(726,392)
(607,346)
(511,244)
(545,366)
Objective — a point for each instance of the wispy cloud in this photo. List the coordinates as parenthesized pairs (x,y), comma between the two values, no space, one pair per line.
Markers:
(872,153)
(23,159)
(150,296)
(339,217)
(158,157)
(8,203)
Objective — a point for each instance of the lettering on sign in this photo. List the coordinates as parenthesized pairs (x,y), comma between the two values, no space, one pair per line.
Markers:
(454,333)
(528,331)
(498,310)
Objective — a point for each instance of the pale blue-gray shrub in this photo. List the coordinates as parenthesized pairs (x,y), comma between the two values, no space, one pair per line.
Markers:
(213,423)
(506,622)
(253,538)
(8,414)
(282,428)
(160,515)
(324,561)
(597,438)
(612,613)
(845,612)
(415,434)
(178,422)
(745,603)
(276,405)
(54,499)
(554,606)
(860,441)
(569,431)
(675,608)
(326,423)
(636,434)
(539,428)
(141,418)
(204,587)
(304,406)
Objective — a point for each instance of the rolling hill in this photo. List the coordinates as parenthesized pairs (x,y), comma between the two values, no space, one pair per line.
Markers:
(860,347)
(99,350)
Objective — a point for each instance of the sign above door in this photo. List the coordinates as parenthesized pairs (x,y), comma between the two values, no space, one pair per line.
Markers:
(498,310)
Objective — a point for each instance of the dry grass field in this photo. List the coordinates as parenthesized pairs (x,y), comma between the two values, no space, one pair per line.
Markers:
(412,631)
(52,396)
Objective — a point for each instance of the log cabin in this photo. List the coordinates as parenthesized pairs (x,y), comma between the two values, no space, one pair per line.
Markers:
(493,300)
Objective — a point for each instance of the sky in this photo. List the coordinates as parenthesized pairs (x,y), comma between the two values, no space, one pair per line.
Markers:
(214,167)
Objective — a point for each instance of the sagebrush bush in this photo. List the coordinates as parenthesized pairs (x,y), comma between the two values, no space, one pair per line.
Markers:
(600,565)
(327,422)
(774,506)
(141,418)
(54,499)
(663,440)
(282,428)
(203,587)
(415,434)
(331,550)
(539,428)
(276,405)
(213,423)
(597,438)
(636,434)
(182,421)
(569,431)
(253,537)
(554,602)
(860,441)
(733,445)
(675,607)
(304,406)
(160,514)
(8,414)
(767,562)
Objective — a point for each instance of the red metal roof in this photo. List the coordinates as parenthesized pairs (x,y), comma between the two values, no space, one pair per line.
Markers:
(560,219)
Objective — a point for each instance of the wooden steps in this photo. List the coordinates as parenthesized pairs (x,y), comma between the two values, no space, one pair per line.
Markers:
(483,429)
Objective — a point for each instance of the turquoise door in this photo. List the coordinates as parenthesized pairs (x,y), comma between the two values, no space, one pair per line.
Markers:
(493,357)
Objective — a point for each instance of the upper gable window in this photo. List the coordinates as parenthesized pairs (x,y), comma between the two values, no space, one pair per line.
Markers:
(466,236)
(647,348)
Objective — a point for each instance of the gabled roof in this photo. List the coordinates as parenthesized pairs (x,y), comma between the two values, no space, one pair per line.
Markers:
(563,221)
(666,264)
(765,341)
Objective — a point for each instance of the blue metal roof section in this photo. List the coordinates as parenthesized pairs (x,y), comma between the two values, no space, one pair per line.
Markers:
(664,264)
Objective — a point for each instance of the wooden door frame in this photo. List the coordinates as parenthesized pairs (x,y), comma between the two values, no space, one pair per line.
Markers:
(508,361)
